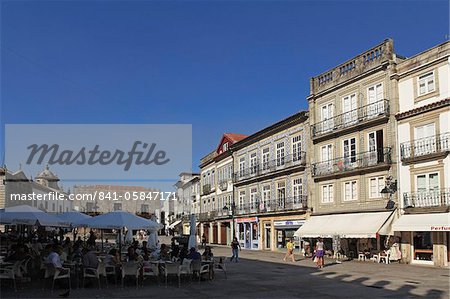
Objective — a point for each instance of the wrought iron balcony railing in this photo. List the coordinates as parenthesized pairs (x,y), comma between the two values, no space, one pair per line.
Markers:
(428,198)
(352,118)
(273,205)
(352,162)
(206,189)
(271,166)
(425,146)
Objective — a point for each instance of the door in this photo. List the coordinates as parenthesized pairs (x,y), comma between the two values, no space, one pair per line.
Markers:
(349,109)
(375,100)
(327,117)
(326,157)
(376,150)
(425,139)
(268,237)
(349,152)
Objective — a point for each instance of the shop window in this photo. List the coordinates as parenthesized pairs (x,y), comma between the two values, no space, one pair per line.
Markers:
(423,246)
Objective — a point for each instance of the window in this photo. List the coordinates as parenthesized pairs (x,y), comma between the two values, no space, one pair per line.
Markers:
(281,194)
(375,97)
(326,153)
(241,166)
(327,194)
(327,115)
(426,83)
(349,108)
(350,191)
(241,199)
(297,190)
(253,198)
(427,182)
(265,158)
(117,207)
(253,163)
(349,150)
(425,140)
(376,185)
(266,196)
(297,148)
(225,147)
(144,209)
(280,153)
(89,207)
(376,152)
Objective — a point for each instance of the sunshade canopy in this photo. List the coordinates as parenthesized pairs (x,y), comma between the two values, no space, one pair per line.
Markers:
(28,215)
(423,222)
(121,219)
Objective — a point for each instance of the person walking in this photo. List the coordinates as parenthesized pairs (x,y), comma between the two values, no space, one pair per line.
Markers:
(235,248)
(290,251)
(319,253)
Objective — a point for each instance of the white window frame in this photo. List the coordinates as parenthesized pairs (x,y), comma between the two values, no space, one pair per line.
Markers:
(350,154)
(378,186)
(297,148)
(427,180)
(266,190)
(253,163)
(297,189)
(241,201)
(281,153)
(253,197)
(281,200)
(425,79)
(353,195)
(327,193)
(242,166)
(265,158)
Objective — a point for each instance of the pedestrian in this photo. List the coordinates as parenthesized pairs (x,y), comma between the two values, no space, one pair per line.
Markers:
(290,251)
(235,248)
(204,240)
(319,253)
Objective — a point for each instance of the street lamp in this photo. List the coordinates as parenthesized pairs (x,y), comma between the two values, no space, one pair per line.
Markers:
(389,189)
(226,212)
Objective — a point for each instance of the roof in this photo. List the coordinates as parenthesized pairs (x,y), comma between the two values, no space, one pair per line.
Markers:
(422,109)
(47,175)
(235,137)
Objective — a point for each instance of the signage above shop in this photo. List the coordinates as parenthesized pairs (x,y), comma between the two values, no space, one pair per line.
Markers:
(248,219)
(289,223)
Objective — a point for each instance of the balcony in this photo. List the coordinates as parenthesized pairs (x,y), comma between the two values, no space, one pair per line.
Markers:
(223,185)
(271,166)
(273,205)
(206,189)
(427,199)
(352,163)
(352,119)
(424,148)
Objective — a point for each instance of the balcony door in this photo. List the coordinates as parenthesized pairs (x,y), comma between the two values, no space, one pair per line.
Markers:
(375,100)
(427,187)
(376,153)
(349,149)
(326,157)
(327,117)
(349,109)
(425,139)
(281,195)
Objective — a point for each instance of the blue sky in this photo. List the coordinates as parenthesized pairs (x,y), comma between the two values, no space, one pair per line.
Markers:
(221,66)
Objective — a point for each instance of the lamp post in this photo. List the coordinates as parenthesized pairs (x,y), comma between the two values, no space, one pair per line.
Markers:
(226,211)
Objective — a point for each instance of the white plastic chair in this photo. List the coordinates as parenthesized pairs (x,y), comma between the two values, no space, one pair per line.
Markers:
(361,257)
(150,271)
(384,258)
(92,273)
(204,270)
(62,273)
(130,269)
(8,273)
(172,269)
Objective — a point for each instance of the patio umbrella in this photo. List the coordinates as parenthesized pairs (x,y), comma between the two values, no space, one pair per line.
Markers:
(192,232)
(74,218)
(152,240)
(121,219)
(27,215)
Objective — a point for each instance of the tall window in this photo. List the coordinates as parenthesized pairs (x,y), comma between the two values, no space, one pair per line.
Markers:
(225,147)
(427,182)
(265,158)
(297,148)
(253,163)
(242,166)
(376,152)
(241,199)
(349,108)
(297,190)
(266,196)
(425,140)
(281,194)
(327,117)
(375,97)
(253,198)
(327,194)
(280,153)
(426,83)
(350,190)
(349,150)
(376,185)
(326,153)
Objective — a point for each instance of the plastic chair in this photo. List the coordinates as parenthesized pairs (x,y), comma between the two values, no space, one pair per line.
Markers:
(62,273)
(384,258)
(8,273)
(361,256)
(172,269)
(205,269)
(92,273)
(150,271)
(130,269)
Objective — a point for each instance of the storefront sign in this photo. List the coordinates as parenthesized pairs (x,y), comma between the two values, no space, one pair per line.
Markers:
(440,228)
(248,219)
(289,223)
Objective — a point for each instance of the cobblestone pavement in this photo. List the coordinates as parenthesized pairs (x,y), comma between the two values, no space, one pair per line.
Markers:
(264,275)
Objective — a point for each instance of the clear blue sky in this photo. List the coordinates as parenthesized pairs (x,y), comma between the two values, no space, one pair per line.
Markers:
(222,66)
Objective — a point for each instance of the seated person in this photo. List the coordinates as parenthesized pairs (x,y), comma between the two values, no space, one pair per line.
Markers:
(164,253)
(90,259)
(113,258)
(207,254)
(132,255)
(54,258)
(194,254)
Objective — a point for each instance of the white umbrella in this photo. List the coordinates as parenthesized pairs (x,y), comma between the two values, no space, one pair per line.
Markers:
(27,215)
(192,233)
(74,218)
(121,219)
(152,240)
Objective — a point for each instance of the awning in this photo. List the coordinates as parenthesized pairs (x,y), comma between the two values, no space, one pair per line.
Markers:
(423,222)
(174,224)
(358,225)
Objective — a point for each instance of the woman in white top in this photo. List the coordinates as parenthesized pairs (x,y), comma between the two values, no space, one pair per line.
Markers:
(320,250)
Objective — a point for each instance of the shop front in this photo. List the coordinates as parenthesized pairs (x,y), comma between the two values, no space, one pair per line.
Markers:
(425,238)
(285,230)
(247,230)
